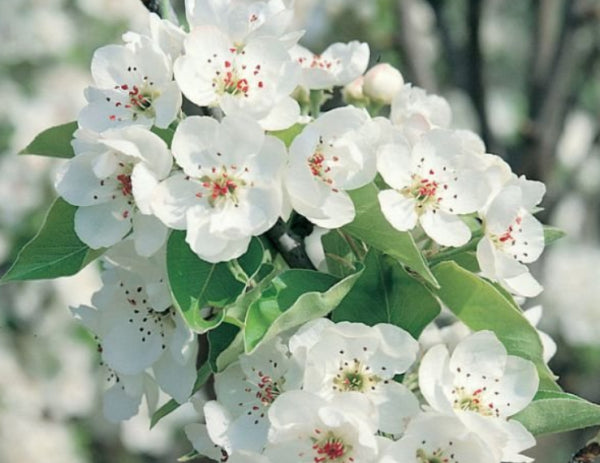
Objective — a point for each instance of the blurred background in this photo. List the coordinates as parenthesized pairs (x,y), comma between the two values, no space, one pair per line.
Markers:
(525,75)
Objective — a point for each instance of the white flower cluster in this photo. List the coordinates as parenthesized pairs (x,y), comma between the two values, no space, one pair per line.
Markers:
(328,393)
(181,132)
(224,180)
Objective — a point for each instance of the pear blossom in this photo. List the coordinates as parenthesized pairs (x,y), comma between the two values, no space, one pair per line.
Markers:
(254,79)
(137,327)
(244,20)
(382,82)
(513,237)
(416,112)
(338,65)
(245,391)
(334,153)
(433,437)
(230,187)
(483,386)
(431,184)
(305,428)
(353,357)
(111,180)
(133,86)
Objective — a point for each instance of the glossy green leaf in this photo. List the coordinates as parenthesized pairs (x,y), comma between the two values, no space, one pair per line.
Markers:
(338,254)
(552,234)
(203,374)
(292,298)
(219,340)
(386,293)
(55,251)
(287,136)
(553,411)
(371,226)
(54,142)
(196,284)
(481,306)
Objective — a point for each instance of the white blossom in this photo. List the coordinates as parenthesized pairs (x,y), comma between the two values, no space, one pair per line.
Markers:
(244,20)
(334,153)
(230,188)
(254,79)
(245,391)
(433,437)
(483,387)
(133,85)
(513,237)
(353,357)
(338,65)
(307,429)
(137,327)
(111,179)
(416,112)
(432,185)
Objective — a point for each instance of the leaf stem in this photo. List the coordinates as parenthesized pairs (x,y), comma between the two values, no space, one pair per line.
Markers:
(449,253)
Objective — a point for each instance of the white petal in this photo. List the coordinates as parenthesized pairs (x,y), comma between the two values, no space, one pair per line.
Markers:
(433,372)
(398,210)
(117,405)
(175,379)
(396,405)
(283,115)
(149,234)
(130,351)
(167,105)
(172,198)
(444,228)
(393,163)
(198,436)
(103,225)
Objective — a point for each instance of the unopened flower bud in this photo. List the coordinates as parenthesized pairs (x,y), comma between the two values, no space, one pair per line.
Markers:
(353,92)
(382,82)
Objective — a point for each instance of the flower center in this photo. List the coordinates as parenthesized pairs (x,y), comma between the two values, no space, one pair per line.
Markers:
(222,186)
(331,448)
(354,377)
(269,390)
(139,99)
(125,181)
(320,164)
(473,401)
(236,80)
(507,238)
(423,190)
(436,457)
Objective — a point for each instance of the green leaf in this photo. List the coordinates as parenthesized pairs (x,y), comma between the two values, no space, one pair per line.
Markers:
(481,306)
(552,234)
(386,293)
(338,255)
(219,340)
(292,298)
(372,227)
(196,284)
(287,136)
(203,374)
(553,411)
(165,134)
(54,142)
(55,251)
